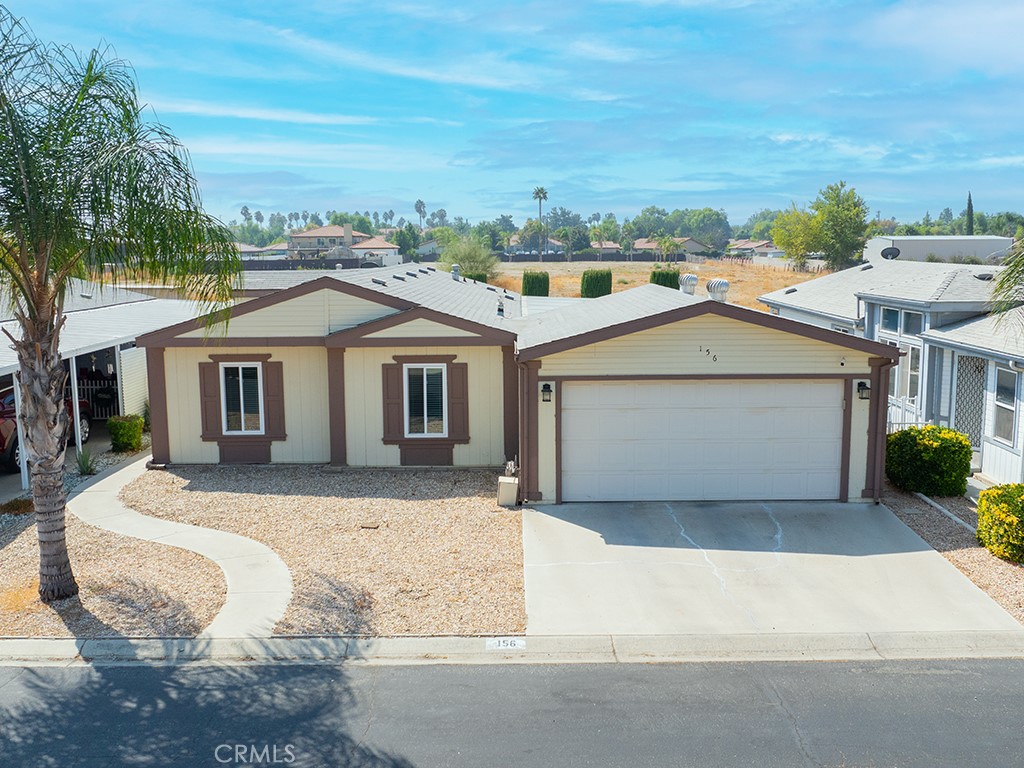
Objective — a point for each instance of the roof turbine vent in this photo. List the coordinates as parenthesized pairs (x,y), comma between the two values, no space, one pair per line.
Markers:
(717,288)
(455,272)
(688,283)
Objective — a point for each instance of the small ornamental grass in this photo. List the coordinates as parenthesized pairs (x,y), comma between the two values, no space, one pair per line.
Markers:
(1001,521)
(931,460)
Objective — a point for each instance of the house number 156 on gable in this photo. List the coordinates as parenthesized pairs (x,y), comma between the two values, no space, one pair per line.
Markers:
(707,353)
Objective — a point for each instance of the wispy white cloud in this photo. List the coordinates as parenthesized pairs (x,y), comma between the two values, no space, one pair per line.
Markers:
(603,50)
(268,114)
(275,152)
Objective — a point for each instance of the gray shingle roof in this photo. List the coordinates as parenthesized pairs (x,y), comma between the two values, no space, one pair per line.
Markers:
(595,314)
(999,334)
(82,295)
(836,295)
(425,286)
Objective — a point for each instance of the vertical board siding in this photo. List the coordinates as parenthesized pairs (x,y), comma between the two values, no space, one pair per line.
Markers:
(419,329)
(305,390)
(683,348)
(134,384)
(364,411)
(999,461)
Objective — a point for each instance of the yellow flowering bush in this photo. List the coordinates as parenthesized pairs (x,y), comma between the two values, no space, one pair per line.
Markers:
(931,460)
(1001,521)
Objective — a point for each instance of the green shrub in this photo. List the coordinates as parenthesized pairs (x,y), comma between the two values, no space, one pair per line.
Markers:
(480,277)
(596,282)
(125,433)
(536,283)
(145,415)
(667,277)
(931,460)
(1001,521)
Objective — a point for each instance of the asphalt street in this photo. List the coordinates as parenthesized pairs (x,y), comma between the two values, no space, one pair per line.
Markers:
(963,713)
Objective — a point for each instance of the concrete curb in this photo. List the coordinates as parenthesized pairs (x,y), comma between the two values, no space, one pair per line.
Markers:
(259,584)
(590,649)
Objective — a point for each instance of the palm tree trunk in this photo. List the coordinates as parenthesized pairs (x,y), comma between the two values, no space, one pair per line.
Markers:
(45,420)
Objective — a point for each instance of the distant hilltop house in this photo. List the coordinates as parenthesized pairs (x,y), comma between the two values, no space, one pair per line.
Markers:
(342,242)
(983,249)
(316,242)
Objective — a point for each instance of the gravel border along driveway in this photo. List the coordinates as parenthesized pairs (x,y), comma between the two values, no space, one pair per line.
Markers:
(1002,580)
(372,552)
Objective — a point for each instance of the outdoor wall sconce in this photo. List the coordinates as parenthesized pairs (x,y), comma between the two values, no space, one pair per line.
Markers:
(863,390)
(545,393)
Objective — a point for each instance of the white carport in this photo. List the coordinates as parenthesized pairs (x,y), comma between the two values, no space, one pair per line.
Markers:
(112,327)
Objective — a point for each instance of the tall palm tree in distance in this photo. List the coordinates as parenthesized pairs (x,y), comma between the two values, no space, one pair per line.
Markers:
(540,195)
(421,209)
(84,182)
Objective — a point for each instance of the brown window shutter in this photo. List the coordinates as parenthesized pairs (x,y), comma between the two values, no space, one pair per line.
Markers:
(458,401)
(209,399)
(394,408)
(273,398)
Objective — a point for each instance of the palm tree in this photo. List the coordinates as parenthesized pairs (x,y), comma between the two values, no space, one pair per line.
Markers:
(421,209)
(84,182)
(540,195)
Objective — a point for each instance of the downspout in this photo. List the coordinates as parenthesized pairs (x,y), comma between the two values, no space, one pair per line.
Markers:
(882,420)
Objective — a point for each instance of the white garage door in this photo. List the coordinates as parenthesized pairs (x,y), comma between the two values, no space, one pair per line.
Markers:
(661,441)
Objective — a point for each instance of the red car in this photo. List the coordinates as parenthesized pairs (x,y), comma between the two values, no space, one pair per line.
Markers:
(10,456)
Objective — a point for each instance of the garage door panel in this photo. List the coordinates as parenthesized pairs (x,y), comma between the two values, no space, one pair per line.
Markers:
(701,440)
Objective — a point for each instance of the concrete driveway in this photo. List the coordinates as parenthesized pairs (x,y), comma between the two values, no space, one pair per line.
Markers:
(653,568)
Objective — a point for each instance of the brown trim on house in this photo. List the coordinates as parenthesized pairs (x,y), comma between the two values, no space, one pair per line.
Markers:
(424,358)
(703,376)
(427,453)
(881,368)
(244,450)
(254,358)
(156,373)
(558,442)
(529,387)
(510,402)
(732,311)
(844,454)
(244,341)
(336,405)
(485,334)
(160,337)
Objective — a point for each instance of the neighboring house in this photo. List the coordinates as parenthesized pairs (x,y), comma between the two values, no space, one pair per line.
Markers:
(646,394)
(246,251)
(606,248)
(984,249)
(748,249)
(377,252)
(685,245)
(910,306)
(275,250)
(314,242)
(430,250)
(980,363)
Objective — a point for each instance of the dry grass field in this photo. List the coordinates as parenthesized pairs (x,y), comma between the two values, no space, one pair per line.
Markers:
(746,281)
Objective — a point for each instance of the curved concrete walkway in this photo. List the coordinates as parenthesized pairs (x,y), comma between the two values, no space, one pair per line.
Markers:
(259,584)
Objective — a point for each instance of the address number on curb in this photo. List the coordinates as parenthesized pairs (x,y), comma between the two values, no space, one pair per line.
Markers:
(506,644)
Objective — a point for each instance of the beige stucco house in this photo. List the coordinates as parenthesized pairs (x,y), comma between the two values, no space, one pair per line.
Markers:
(649,393)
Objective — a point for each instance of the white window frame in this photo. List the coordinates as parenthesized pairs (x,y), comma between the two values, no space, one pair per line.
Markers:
(406,367)
(1011,407)
(241,398)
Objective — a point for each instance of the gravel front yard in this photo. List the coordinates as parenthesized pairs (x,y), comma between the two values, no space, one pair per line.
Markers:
(1002,580)
(371,552)
(126,586)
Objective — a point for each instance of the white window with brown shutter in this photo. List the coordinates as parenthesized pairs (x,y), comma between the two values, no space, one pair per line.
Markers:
(426,407)
(242,405)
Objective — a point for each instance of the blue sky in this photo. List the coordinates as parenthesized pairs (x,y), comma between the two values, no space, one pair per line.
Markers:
(611,105)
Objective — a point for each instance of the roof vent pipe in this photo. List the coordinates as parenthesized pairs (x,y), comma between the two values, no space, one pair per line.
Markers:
(688,283)
(455,271)
(717,289)
(501,308)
